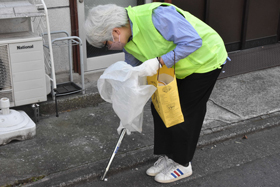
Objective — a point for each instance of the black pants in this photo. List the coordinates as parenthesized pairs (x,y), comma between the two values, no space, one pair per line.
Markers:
(179,141)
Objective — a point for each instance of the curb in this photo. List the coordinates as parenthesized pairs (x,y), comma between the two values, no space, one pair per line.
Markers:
(70,103)
(66,103)
(143,156)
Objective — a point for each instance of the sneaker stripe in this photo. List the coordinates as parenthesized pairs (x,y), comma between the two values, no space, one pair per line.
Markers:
(180,171)
(176,173)
(173,175)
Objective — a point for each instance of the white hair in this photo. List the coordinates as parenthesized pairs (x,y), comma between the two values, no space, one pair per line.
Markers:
(100,22)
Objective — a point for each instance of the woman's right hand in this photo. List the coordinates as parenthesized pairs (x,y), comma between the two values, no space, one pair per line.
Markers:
(161,61)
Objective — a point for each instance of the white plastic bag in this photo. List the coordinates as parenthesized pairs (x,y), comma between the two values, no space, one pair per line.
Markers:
(126,88)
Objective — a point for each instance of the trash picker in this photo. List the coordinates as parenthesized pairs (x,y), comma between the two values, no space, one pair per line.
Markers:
(114,153)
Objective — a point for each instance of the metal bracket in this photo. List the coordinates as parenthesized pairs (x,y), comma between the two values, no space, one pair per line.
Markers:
(35,108)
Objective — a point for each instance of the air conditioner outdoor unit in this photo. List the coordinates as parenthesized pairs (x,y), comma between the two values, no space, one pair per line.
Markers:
(22,69)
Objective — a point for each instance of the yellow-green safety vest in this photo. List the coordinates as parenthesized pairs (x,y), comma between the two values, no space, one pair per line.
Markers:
(148,43)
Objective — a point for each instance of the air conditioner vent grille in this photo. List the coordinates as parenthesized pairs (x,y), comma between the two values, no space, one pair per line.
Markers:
(5,75)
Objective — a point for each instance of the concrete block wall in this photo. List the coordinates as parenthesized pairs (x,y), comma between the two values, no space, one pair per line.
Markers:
(14,25)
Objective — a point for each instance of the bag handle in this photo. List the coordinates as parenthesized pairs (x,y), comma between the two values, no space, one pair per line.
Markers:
(159,65)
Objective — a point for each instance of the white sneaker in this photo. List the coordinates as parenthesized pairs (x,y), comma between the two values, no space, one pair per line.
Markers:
(173,173)
(159,165)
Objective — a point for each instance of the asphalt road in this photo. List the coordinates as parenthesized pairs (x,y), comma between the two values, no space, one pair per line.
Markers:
(239,162)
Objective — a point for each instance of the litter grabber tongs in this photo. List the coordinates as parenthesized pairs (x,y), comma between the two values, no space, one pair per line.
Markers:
(114,153)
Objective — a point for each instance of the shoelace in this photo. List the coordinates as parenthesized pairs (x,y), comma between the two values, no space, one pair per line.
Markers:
(171,166)
(159,160)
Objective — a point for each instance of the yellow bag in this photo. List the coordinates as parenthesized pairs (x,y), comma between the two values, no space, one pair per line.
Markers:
(166,97)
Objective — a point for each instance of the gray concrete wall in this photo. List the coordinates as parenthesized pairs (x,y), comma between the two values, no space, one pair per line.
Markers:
(59,18)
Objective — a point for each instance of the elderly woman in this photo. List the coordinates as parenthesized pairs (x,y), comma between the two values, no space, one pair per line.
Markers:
(160,30)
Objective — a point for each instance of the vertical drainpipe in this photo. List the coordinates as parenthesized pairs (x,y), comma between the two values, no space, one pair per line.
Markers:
(75,32)
(206,11)
(278,30)
(245,23)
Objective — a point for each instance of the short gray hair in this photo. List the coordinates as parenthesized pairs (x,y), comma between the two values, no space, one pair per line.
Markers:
(100,22)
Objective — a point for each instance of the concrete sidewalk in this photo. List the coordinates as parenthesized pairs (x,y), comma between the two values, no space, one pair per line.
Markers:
(77,145)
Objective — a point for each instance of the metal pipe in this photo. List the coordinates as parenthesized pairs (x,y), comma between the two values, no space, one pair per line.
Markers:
(50,46)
